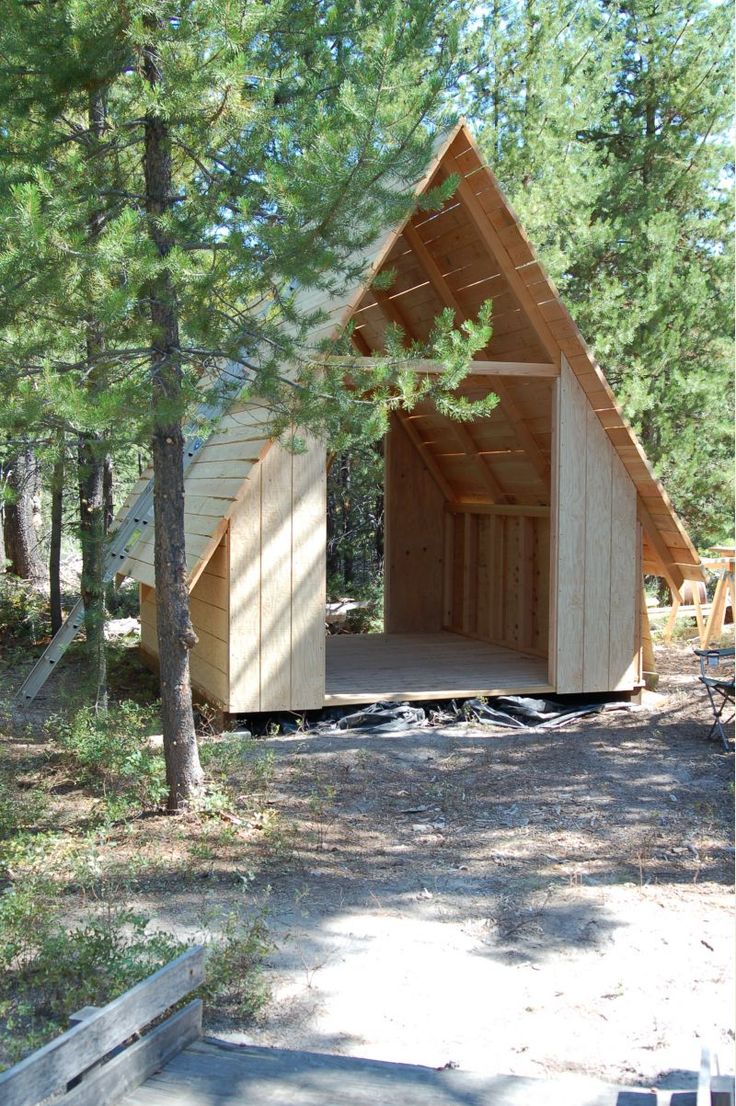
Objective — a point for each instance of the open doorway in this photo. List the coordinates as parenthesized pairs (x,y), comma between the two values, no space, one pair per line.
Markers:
(465,529)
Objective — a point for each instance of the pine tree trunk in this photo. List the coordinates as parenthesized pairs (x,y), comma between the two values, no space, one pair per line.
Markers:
(92,534)
(92,455)
(176,634)
(19,526)
(57,509)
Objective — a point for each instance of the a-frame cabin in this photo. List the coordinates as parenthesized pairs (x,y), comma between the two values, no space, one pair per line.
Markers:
(514,545)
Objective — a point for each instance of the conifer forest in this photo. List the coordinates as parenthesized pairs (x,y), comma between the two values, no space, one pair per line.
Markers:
(189,190)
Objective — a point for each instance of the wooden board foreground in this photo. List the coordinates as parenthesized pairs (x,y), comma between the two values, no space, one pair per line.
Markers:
(210,1073)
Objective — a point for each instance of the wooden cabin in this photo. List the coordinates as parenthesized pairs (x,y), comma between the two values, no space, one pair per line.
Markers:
(514,545)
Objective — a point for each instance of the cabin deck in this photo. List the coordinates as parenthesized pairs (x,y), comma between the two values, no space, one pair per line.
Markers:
(213,1073)
(365,668)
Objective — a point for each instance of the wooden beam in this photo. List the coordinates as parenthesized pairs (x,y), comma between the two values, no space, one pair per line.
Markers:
(670,571)
(426,455)
(523,510)
(393,313)
(531,369)
(447,296)
(432,271)
(526,439)
(470,449)
(493,243)
(361,343)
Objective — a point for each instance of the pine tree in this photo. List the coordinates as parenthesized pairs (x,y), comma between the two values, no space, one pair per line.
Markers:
(656,283)
(606,124)
(246,149)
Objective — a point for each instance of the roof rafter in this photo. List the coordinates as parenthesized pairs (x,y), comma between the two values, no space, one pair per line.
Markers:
(508,405)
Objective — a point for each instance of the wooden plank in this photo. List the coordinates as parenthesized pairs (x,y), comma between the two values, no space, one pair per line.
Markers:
(669,570)
(308,555)
(526,438)
(206,617)
(244,692)
(211,590)
(447,565)
(246,452)
(554,530)
(597,580)
(489,235)
(525,510)
(217,564)
(525,597)
(535,370)
(276,539)
(220,489)
(384,667)
(624,585)
(248,1075)
(130,1068)
(233,468)
(470,574)
(541,585)
(425,452)
(572,435)
(648,662)
(480,462)
(50,1068)
(414,539)
(483,580)
(209,679)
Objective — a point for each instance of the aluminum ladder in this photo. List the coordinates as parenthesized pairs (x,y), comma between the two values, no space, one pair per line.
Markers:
(122,540)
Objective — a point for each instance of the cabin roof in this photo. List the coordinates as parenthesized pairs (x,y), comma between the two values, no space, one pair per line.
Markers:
(472,250)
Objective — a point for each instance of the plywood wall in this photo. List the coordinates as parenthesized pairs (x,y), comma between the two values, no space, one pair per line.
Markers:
(596,553)
(497,583)
(277,585)
(208,602)
(483,572)
(414,513)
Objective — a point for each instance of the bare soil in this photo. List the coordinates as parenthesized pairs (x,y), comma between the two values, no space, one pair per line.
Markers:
(521,902)
(528,903)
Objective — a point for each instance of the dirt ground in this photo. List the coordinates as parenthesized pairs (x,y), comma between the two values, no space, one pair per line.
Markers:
(505,901)
(527,903)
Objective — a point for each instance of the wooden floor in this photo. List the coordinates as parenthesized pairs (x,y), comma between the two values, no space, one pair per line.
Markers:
(212,1073)
(363,668)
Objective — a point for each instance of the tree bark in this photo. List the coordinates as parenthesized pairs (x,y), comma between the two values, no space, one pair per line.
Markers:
(19,526)
(176,634)
(92,457)
(57,511)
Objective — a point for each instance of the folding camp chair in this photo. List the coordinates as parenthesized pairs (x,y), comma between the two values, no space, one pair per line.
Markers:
(720,688)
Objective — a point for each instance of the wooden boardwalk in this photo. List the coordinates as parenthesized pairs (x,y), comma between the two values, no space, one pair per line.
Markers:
(213,1073)
(364,668)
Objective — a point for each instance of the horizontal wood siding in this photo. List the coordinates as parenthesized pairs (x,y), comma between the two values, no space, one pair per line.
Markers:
(596,550)
(213,485)
(209,660)
(277,585)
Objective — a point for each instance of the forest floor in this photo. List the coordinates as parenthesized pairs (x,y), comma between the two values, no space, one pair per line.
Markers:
(505,901)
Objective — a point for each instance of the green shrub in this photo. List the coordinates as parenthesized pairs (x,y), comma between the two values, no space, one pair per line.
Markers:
(110,753)
(242,760)
(24,613)
(48,969)
(20,809)
(234,989)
